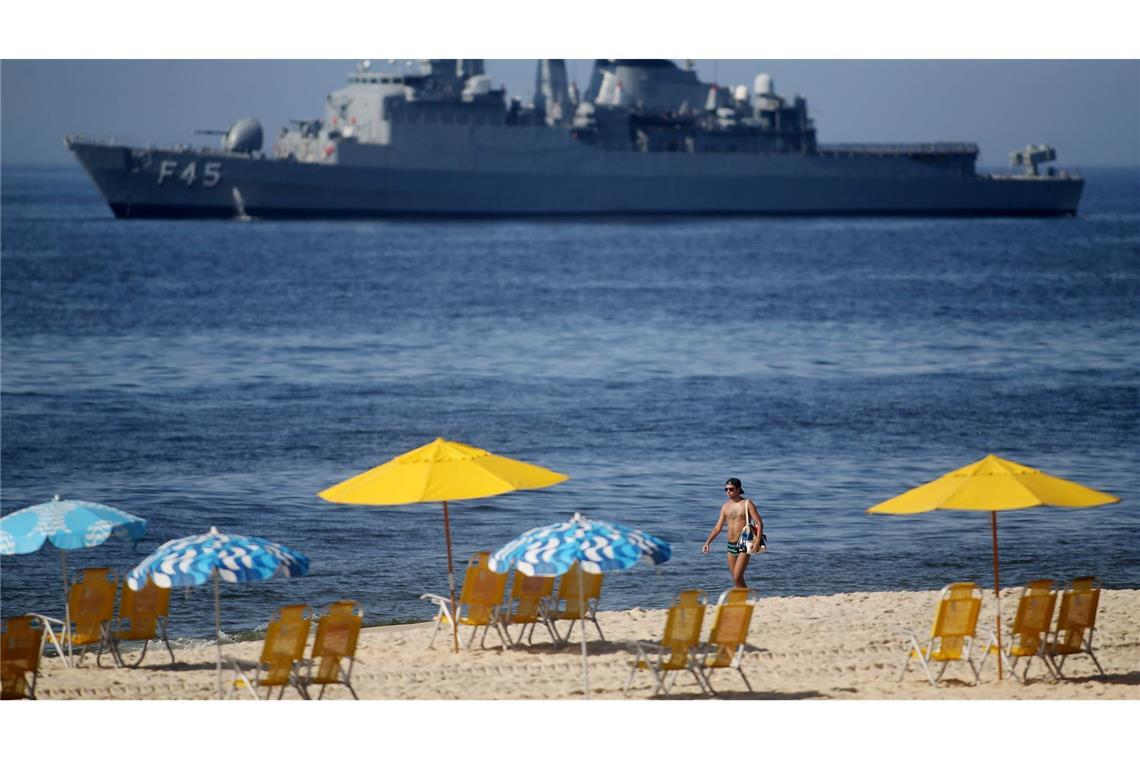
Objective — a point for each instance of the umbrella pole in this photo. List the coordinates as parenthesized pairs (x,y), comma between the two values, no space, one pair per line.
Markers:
(997,589)
(582,613)
(218,627)
(451,584)
(66,608)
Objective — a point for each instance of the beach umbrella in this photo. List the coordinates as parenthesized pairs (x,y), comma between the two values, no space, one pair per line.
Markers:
(68,524)
(443,471)
(216,556)
(993,485)
(596,545)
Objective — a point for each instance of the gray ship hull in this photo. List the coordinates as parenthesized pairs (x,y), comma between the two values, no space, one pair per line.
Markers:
(192,183)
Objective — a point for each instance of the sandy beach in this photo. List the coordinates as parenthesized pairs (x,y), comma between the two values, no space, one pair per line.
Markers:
(821,647)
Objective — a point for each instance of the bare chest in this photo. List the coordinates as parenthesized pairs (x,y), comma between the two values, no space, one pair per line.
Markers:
(736,511)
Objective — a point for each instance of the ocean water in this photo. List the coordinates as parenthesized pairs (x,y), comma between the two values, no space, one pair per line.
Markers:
(222,373)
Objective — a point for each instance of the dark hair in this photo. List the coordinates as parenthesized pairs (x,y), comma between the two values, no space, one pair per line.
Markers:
(735,482)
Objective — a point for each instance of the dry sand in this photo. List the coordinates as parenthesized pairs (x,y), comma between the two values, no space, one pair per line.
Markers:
(820,647)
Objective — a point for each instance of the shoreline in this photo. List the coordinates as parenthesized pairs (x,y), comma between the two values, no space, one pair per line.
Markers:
(839,646)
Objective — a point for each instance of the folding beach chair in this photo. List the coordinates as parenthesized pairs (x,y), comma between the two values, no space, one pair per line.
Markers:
(574,604)
(729,634)
(91,607)
(1030,630)
(281,654)
(20,646)
(1075,622)
(480,602)
(677,649)
(335,643)
(952,634)
(528,603)
(142,617)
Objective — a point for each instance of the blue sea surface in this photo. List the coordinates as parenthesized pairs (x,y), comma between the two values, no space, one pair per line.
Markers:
(222,373)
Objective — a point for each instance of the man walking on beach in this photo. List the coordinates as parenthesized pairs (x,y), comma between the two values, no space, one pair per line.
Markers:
(745,530)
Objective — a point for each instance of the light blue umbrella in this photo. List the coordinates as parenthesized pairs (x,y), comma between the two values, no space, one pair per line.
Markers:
(68,524)
(597,546)
(195,560)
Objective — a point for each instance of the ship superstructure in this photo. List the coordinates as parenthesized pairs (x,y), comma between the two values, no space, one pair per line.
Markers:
(644,137)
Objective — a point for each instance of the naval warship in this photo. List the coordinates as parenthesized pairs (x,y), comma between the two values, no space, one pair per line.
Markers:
(438,138)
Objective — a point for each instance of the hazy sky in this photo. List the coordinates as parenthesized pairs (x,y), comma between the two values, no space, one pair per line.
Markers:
(1088,110)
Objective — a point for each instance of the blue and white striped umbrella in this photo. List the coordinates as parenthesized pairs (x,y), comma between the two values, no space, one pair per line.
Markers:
(600,547)
(195,560)
(597,546)
(192,561)
(68,524)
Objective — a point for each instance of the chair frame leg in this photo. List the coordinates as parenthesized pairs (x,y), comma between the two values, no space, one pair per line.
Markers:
(166,640)
(594,618)
(740,670)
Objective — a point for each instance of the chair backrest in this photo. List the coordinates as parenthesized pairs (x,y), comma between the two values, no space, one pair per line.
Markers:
(532,586)
(734,595)
(569,593)
(20,646)
(957,617)
(730,625)
(1079,601)
(683,625)
(338,630)
(1034,615)
(483,590)
(142,609)
(284,643)
(91,602)
(527,592)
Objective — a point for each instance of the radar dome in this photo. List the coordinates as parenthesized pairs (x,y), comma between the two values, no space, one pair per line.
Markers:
(764,85)
(243,136)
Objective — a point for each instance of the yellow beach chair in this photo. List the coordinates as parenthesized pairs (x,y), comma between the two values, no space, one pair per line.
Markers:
(281,654)
(528,603)
(91,607)
(574,603)
(480,602)
(1075,622)
(20,646)
(334,645)
(729,635)
(1030,630)
(952,635)
(142,617)
(677,649)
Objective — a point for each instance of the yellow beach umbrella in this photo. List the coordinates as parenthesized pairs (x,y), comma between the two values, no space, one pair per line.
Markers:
(441,471)
(993,485)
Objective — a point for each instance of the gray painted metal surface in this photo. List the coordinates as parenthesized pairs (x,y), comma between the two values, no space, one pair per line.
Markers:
(646,138)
